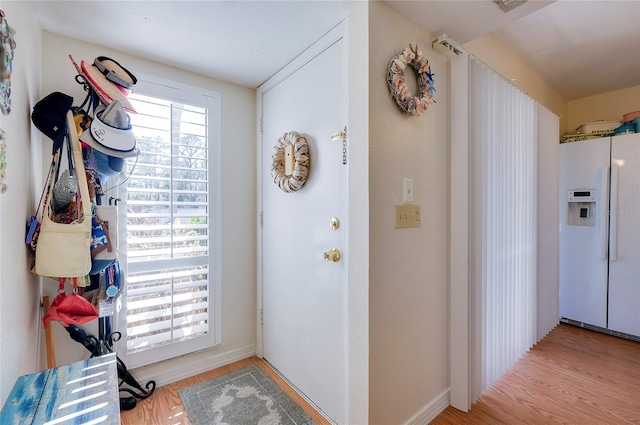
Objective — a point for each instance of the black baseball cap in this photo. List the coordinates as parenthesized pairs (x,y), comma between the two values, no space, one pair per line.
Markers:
(50,117)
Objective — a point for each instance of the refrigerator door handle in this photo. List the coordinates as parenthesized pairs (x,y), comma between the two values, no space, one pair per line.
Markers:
(613,214)
(604,202)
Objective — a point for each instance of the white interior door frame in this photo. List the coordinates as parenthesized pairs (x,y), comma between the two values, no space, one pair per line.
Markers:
(316,305)
(325,42)
(355,30)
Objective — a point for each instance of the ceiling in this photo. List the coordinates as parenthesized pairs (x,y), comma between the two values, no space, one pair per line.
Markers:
(244,42)
(580,48)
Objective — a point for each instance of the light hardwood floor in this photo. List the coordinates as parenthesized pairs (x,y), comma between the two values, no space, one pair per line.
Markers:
(573,376)
(164,407)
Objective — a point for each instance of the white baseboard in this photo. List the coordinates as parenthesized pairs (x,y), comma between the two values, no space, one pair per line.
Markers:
(182,367)
(432,410)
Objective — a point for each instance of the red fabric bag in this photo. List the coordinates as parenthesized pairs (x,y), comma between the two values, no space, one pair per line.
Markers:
(71,308)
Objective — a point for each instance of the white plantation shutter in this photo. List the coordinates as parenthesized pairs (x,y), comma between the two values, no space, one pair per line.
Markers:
(170,293)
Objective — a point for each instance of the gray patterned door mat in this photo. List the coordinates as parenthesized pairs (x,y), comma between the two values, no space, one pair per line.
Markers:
(246,396)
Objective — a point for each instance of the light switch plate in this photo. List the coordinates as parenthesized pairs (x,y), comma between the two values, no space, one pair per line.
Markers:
(407,190)
(407,215)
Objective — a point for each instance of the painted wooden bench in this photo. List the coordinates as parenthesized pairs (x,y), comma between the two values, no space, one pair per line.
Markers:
(84,392)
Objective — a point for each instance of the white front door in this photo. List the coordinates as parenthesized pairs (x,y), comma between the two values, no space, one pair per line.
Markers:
(304,296)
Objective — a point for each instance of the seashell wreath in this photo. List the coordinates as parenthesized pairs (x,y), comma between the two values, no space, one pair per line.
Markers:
(411,105)
(298,176)
(7,47)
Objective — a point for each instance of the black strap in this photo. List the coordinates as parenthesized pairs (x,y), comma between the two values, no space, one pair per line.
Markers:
(86,99)
(69,154)
(112,76)
(91,101)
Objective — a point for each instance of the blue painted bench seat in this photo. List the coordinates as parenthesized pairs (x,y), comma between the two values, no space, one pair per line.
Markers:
(85,392)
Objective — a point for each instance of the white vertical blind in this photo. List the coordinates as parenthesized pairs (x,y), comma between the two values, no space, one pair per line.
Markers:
(504,268)
(548,223)
(503,210)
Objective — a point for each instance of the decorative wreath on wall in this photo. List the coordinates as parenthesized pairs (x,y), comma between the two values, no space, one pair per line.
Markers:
(3,161)
(290,166)
(411,105)
(7,47)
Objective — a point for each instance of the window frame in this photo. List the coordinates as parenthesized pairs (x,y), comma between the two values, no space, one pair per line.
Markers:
(153,86)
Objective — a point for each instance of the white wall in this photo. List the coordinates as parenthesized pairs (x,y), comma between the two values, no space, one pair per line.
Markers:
(408,267)
(238,204)
(609,106)
(19,291)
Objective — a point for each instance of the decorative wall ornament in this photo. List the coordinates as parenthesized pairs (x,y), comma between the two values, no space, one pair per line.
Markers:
(7,46)
(3,161)
(290,166)
(411,105)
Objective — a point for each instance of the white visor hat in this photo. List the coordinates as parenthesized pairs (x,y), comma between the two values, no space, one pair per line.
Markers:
(111,132)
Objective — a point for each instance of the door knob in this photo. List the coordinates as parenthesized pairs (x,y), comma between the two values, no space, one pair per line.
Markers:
(332,255)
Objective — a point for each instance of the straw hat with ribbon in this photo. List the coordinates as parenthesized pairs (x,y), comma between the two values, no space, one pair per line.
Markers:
(101,80)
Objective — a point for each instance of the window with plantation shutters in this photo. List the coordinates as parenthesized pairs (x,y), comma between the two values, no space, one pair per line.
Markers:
(170,298)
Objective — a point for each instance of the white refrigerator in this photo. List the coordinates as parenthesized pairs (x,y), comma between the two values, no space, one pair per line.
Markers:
(600,233)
